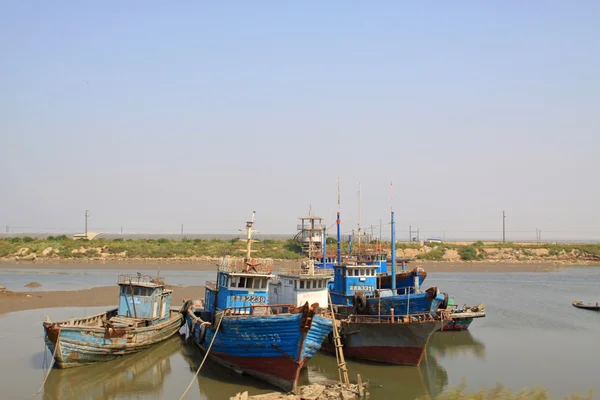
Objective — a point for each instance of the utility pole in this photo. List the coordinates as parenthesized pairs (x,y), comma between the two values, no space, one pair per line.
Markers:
(503,227)
(86,222)
(121,229)
(410,234)
(7,228)
(182,229)
(380,224)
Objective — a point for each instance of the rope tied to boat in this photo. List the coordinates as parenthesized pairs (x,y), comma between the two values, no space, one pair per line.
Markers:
(204,359)
(51,364)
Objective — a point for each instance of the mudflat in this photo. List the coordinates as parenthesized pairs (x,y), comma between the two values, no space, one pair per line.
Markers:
(101,296)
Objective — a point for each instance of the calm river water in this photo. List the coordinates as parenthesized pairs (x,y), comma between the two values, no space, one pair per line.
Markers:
(531,336)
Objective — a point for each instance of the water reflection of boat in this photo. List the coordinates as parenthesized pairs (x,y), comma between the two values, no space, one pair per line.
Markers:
(456,342)
(429,378)
(217,382)
(141,373)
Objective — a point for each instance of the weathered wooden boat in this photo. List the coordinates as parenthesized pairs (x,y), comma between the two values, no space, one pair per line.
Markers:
(271,342)
(143,373)
(461,317)
(589,306)
(142,319)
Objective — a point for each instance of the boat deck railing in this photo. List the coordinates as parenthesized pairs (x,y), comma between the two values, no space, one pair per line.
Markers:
(254,265)
(261,309)
(306,272)
(396,319)
(139,279)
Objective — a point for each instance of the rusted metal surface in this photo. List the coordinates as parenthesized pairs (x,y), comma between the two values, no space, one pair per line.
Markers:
(139,280)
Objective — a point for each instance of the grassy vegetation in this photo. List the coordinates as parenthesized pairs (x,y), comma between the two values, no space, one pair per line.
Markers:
(467,253)
(65,247)
(161,248)
(500,393)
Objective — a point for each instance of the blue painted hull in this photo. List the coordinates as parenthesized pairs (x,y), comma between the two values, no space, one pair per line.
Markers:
(405,304)
(88,340)
(418,303)
(273,348)
(405,280)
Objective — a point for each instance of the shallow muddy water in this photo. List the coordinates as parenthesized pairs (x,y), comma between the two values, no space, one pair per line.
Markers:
(532,335)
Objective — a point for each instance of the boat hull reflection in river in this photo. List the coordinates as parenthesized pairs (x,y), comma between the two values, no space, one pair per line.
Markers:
(140,373)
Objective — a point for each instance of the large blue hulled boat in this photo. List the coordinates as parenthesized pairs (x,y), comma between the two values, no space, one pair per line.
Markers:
(381,325)
(247,334)
(142,319)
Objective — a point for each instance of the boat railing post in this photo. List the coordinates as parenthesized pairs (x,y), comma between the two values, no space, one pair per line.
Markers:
(392,314)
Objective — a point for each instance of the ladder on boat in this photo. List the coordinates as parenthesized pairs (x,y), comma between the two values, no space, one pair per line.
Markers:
(339,353)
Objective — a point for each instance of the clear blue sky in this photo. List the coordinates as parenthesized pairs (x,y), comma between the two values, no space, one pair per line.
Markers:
(152,114)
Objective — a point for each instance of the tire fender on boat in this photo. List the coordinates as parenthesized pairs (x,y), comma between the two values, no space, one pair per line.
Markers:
(360,303)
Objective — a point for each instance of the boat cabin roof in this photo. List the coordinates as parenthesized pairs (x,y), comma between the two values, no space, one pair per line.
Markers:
(305,273)
(140,280)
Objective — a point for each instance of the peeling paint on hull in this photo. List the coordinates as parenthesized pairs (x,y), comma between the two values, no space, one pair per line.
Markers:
(402,344)
(271,348)
(458,324)
(81,345)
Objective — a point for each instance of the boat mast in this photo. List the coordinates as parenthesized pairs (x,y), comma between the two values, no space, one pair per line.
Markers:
(249,231)
(393,242)
(339,232)
(359,218)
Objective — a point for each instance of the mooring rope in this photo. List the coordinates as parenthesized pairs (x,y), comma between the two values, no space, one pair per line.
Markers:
(51,364)
(204,359)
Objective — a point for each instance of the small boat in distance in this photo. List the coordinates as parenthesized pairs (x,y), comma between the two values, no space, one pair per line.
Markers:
(461,318)
(579,304)
(143,318)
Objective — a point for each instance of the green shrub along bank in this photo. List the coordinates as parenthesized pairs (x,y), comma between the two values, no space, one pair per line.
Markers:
(25,248)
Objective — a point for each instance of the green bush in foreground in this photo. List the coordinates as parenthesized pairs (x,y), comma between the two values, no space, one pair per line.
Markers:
(500,393)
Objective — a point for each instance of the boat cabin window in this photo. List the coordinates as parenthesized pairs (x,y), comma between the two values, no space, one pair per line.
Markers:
(223,280)
(137,290)
(247,282)
(301,284)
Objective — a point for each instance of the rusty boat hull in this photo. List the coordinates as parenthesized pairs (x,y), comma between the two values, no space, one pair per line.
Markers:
(82,341)
(270,346)
(377,340)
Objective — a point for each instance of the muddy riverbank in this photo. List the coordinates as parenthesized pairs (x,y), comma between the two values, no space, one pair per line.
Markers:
(103,296)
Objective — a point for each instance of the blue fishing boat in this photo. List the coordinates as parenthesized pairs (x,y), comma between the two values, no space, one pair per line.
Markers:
(142,319)
(376,255)
(379,324)
(238,328)
(356,285)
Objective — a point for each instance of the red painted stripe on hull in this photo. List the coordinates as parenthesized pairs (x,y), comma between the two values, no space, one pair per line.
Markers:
(279,371)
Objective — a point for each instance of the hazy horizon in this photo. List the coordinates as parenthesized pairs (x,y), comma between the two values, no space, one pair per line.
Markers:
(153,115)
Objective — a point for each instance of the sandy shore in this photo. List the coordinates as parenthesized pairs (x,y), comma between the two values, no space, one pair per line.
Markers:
(102,296)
